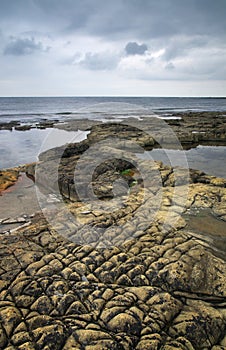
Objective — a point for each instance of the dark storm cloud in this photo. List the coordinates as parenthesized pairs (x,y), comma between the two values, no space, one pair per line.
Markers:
(148,19)
(144,19)
(21,47)
(132,48)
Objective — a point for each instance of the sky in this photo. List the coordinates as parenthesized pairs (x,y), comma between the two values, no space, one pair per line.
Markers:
(112,48)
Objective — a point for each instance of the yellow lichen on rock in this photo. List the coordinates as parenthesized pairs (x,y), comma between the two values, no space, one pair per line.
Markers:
(8,178)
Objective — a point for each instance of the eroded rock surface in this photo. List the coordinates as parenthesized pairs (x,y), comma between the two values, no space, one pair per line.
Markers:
(116,268)
(162,289)
(200,127)
(7,178)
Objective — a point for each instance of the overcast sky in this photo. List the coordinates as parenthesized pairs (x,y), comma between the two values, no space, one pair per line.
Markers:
(105,47)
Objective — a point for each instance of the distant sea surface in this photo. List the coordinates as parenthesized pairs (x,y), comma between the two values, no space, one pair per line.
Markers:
(32,109)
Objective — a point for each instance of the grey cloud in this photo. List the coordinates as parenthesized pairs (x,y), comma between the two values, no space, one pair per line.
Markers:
(181,46)
(99,61)
(132,48)
(170,66)
(178,26)
(145,19)
(21,47)
(71,60)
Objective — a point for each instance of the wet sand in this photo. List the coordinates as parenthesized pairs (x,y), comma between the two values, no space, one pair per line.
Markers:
(17,202)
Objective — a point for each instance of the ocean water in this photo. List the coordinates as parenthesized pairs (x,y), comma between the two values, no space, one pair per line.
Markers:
(31,109)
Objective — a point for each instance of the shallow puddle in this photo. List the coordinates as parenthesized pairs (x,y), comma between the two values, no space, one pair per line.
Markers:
(209,228)
(210,159)
(21,147)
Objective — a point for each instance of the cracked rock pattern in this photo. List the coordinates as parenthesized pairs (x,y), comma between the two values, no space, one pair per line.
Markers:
(159,291)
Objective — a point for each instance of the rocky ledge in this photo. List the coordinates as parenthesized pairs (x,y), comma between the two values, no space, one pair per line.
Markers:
(195,128)
(113,261)
(191,128)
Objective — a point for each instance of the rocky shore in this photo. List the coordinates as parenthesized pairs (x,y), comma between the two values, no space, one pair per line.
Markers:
(200,128)
(191,128)
(121,257)
(17,125)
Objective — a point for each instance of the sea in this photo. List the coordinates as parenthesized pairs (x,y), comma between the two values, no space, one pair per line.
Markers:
(31,109)
(20,147)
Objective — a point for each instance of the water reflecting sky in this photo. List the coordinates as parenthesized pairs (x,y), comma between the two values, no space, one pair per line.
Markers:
(210,159)
(20,147)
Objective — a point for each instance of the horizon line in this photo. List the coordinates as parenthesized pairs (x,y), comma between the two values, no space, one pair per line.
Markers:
(108,96)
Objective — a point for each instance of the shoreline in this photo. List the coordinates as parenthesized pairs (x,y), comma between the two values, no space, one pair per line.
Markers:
(183,126)
(191,128)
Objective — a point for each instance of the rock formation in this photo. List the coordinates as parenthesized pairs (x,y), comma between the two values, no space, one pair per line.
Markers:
(113,263)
